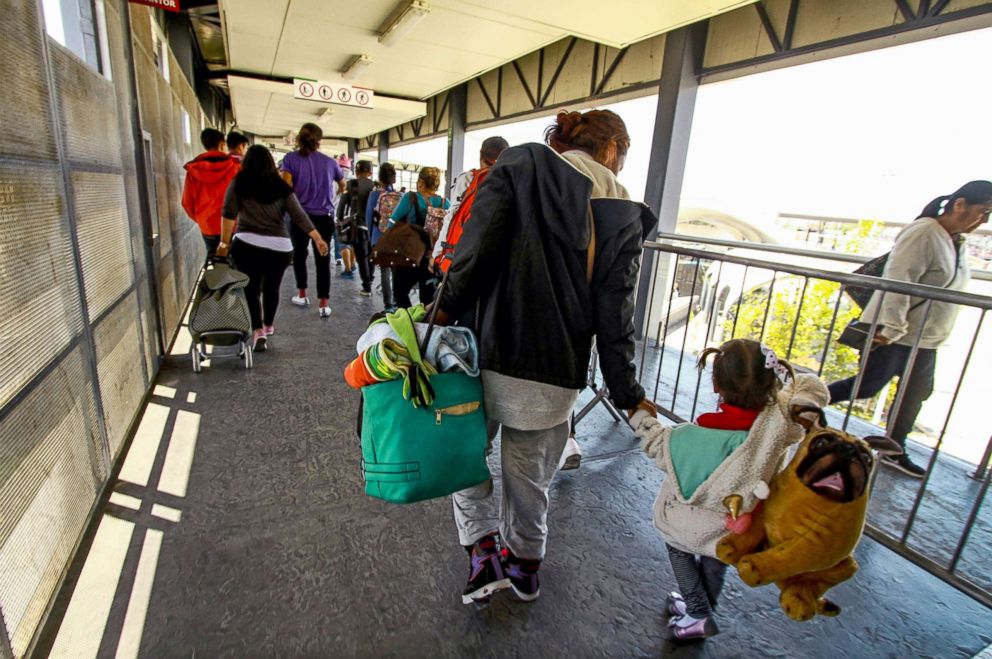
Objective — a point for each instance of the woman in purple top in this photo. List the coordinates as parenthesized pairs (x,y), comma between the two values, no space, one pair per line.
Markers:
(315,178)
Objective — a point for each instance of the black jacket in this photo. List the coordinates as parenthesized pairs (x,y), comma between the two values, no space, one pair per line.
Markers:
(523,254)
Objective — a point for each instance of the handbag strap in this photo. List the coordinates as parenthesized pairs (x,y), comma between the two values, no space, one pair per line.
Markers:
(885,257)
(591,250)
(954,275)
(433,315)
(414,198)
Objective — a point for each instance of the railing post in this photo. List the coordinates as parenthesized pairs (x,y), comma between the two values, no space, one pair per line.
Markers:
(669,149)
(983,464)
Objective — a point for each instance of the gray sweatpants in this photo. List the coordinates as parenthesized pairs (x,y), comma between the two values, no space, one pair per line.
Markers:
(529,461)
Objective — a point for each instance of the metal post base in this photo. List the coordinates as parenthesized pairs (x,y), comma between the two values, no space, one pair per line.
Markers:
(601,396)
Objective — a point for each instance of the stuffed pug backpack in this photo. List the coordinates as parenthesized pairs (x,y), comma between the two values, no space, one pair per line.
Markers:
(803,535)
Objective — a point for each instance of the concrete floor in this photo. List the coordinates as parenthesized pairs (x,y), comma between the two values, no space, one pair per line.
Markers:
(239,528)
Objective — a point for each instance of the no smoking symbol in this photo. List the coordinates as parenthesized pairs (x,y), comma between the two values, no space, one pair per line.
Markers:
(362,98)
(306,89)
(344,95)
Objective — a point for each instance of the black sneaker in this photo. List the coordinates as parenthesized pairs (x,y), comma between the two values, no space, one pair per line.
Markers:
(485,575)
(904,464)
(523,576)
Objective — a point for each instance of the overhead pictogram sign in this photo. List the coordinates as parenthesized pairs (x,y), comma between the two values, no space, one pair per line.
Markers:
(332,92)
(167,5)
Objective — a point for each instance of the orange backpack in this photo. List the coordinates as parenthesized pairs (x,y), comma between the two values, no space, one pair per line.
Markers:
(458,221)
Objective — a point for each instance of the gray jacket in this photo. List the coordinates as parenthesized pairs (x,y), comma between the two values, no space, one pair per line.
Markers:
(926,254)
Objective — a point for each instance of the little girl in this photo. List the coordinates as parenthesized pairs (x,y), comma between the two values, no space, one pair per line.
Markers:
(727,452)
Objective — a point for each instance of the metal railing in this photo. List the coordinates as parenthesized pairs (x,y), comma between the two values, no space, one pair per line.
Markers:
(702,297)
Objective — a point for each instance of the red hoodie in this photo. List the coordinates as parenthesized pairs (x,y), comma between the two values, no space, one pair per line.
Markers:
(207,178)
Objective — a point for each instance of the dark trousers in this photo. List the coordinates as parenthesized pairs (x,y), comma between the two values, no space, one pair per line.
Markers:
(884,363)
(301,246)
(386,275)
(211,242)
(700,580)
(265,268)
(404,279)
(362,249)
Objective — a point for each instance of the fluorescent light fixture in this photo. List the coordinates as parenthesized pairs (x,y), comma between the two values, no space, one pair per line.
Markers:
(356,66)
(404,22)
(325,115)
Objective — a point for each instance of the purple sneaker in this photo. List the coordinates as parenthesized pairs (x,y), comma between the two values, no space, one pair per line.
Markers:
(523,576)
(486,574)
(699,630)
(675,604)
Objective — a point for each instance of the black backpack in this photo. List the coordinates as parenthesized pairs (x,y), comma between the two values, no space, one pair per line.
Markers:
(349,224)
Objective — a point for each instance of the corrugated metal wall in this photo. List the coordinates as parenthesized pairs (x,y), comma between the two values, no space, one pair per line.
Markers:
(78,344)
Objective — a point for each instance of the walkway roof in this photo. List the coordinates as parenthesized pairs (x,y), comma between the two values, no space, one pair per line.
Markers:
(454,41)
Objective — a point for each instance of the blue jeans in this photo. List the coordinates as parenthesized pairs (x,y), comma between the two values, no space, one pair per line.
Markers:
(884,363)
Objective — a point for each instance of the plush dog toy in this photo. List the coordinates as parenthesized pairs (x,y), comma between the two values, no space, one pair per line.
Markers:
(803,535)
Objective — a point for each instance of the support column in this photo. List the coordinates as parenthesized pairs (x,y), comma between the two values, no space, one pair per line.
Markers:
(142,169)
(352,150)
(383,147)
(669,150)
(457,113)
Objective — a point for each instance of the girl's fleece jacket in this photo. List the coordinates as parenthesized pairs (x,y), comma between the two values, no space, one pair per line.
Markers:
(695,525)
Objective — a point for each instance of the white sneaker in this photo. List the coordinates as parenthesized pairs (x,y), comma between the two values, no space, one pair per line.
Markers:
(325,312)
(571,457)
(300,301)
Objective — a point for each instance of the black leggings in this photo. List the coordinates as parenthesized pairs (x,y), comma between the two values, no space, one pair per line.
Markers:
(301,246)
(885,363)
(362,249)
(700,580)
(265,268)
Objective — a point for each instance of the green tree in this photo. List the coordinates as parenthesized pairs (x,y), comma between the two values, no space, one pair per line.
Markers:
(800,335)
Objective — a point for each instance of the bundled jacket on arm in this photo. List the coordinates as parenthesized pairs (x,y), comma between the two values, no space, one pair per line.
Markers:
(523,256)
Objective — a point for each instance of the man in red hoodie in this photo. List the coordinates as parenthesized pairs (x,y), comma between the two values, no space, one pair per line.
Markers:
(207,178)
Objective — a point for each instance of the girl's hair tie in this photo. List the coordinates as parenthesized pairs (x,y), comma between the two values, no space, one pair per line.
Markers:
(772,363)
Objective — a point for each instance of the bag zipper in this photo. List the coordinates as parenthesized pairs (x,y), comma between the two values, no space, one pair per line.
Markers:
(455,410)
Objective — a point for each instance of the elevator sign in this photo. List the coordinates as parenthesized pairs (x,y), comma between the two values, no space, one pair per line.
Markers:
(331,92)
(167,5)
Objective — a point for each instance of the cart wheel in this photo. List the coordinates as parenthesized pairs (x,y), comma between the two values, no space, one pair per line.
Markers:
(249,357)
(195,354)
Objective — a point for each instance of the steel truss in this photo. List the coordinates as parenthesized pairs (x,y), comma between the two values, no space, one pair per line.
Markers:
(490,91)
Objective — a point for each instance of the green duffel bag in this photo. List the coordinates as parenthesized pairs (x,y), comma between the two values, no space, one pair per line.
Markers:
(423,436)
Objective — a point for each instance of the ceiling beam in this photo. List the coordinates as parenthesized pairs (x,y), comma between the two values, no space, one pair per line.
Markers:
(561,65)
(766,23)
(609,71)
(523,82)
(485,95)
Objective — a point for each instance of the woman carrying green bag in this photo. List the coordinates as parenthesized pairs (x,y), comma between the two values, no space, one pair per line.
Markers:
(550,276)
